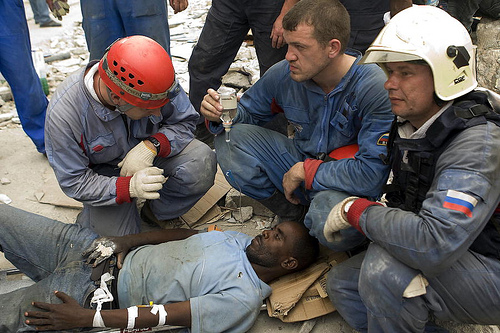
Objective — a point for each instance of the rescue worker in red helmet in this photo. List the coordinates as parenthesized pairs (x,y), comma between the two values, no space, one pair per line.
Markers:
(119,134)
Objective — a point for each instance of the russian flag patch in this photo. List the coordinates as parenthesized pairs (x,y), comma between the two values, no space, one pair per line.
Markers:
(382,141)
(460,201)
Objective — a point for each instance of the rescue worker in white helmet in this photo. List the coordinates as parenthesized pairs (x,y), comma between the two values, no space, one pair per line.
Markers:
(435,242)
(120,132)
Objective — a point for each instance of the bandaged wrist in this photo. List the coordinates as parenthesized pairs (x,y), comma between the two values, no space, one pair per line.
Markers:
(98,322)
(132,312)
(162,313)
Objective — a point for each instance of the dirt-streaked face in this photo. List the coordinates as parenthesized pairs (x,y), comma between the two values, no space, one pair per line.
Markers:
(306,56)
(411,91)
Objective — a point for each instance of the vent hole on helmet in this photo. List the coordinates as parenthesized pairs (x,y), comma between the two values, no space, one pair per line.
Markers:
(139,82)
(115,63)
(123,79)
(115,72)
(122,93)
(122,69)
(131,85)
(130,75)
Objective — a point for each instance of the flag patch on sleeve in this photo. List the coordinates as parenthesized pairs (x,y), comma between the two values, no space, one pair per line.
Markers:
(460,201)
(382,141)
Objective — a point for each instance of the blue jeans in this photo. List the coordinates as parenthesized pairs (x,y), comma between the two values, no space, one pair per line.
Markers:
(16,65)
(47,251)
(367,290)
(226,26)
(254,162)
(104,21)
(190,175)
(40,11)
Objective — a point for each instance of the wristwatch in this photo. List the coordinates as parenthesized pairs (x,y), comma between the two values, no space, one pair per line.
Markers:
(155,143)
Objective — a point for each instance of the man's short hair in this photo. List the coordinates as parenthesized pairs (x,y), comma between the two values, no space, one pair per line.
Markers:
(305,250)
(329,18)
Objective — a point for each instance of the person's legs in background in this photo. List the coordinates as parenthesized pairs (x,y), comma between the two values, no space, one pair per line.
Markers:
(16,65)
(41,14)
(225,28)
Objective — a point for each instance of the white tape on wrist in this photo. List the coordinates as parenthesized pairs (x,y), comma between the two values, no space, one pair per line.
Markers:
(133,312)
(98,322)
(162,314)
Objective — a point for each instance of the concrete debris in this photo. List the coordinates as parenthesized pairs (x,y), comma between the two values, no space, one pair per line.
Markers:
(243,214)
(4,181)
(5,199)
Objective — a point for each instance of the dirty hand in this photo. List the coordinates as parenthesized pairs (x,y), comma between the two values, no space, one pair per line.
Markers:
(57,317)
(292,180)
(337,219)
(178,5)
(211,108)
(138,158)
(277,39)
(146,183)
(102,248)
(59,8)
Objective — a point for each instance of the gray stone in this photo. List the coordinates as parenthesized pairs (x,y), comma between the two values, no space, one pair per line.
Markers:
(243,214)
(5,94)
(235,199)
(488,54)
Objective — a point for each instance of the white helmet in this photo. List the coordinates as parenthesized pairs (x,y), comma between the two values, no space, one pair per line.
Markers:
(430,34)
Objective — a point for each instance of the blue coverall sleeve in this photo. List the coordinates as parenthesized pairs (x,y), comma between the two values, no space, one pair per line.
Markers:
(438,235)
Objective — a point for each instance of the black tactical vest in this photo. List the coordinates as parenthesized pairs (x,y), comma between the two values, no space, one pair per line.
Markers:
(412,179)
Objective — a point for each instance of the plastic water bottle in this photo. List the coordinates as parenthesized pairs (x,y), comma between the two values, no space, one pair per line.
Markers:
(41,69)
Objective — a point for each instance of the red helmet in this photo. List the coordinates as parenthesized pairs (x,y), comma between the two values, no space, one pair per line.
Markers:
(139,70)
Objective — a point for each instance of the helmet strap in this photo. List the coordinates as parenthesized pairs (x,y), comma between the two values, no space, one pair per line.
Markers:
(120,108)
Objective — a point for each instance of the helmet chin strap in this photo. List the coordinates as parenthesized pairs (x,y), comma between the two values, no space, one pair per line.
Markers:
(120,108)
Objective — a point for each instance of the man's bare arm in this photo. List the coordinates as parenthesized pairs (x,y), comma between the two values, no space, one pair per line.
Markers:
(70,315)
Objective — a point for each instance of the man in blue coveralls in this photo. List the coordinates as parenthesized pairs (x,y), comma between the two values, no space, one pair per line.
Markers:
(332,102)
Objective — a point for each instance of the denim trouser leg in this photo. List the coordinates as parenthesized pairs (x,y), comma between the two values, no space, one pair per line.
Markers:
(466,292)
(47,251)
(40,11)
(321,205)
(255,159)
(16,65)
(190,175)
(104,21)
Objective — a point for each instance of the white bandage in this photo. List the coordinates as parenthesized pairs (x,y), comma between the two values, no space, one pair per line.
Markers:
(98,322)
(162,314)
(133,312)
(102,294)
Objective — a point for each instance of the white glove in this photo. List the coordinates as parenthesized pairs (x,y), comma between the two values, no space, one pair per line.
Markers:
(138,158)
(146,183)
(337,219)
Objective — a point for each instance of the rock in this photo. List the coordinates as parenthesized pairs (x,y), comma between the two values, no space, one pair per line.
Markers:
(235,199)
(488,54)
(5,94)
(4,181)
(243,214)
(6,116)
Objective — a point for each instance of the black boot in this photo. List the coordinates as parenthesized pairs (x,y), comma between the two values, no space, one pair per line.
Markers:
(287,211)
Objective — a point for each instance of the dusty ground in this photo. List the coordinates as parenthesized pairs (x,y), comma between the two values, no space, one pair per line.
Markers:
(25,173)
